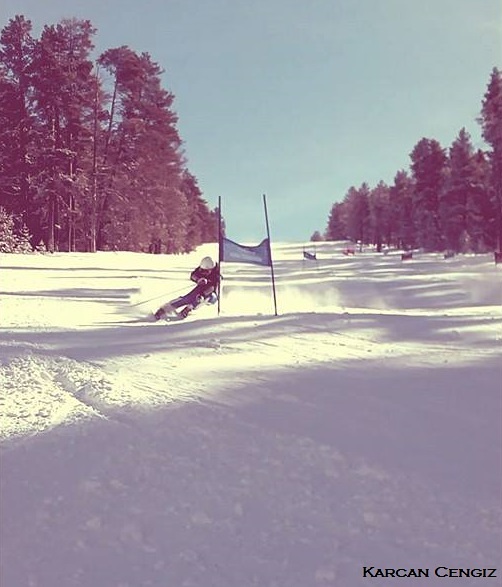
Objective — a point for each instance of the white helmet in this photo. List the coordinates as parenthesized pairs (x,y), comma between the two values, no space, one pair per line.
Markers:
(207,263)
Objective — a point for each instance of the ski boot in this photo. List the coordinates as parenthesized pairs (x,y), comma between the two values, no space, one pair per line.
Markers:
(186,310)
(160,313)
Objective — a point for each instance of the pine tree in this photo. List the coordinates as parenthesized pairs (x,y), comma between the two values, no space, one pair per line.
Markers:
(63,90)
(491,123)
(379,213)
(16,116)
(401,204)
(358,214)
(202,225)
(458,185)
(143,148)
(428,167)
(23,238)
(213,230)
(337,223)
(480,206)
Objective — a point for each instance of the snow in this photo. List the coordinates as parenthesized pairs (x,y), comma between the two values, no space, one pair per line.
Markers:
(360,427)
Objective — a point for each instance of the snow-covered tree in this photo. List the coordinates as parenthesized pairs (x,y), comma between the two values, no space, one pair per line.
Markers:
(12,240)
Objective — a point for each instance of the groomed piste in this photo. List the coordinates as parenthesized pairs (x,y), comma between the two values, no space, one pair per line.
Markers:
(361,427)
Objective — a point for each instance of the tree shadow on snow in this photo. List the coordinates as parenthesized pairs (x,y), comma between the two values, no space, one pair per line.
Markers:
(292,480)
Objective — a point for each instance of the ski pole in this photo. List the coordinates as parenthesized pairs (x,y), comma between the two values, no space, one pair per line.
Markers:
(169,293)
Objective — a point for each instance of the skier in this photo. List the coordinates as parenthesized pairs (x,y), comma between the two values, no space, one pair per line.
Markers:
(206,276)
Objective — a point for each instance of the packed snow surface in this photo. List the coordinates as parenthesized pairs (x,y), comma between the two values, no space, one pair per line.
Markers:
(361,427)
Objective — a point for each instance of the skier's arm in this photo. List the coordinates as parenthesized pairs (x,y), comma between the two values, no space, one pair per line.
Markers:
(194,276)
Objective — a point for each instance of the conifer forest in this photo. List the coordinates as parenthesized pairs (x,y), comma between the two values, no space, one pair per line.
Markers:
(449,199)
(90,154)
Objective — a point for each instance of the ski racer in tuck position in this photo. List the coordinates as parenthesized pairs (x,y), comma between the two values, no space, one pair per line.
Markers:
(206,276)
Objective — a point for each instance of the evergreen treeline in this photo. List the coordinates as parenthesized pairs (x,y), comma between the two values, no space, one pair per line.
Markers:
(90,155)
(449,199)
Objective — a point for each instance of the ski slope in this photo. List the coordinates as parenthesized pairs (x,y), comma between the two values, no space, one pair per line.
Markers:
(362,427)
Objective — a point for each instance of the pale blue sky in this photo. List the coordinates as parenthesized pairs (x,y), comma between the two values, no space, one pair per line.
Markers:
(301,99)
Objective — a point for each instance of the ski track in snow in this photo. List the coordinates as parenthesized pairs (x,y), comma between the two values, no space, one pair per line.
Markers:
(360,427)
